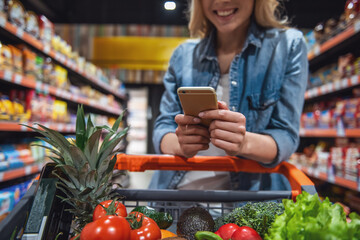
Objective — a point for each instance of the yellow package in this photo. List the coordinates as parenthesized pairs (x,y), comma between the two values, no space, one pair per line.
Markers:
(59,111)
(7,111)
(61,76)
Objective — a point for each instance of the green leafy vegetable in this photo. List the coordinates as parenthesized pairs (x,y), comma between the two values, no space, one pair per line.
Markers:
(309,218)
(258,216)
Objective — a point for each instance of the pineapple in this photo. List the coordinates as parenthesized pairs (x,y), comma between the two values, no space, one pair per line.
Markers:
(86,165)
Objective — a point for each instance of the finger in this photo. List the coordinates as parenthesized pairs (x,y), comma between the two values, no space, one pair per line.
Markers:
(192,130)
(192,149)
(231,137)
(222,105)
(222,114)
(182,119)
(191,139)
(230,148)
(236,127)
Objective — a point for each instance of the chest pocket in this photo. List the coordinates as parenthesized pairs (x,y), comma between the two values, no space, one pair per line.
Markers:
(261,107)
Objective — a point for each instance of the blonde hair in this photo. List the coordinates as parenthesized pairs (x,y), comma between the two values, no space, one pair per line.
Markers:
(266,14)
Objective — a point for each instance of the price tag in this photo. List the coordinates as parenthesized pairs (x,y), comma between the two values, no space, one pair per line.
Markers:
(329,87)
(357,26)
(2,20)
(27,170)
(23,128)
(38,86)
(337,85)
(60,127)
(316,172)
(317,50)
(46,88)
(354,80)
(58,92)
(8,75)
(46,49)
(344,83)
(323,89)
(20,32)
(18,78)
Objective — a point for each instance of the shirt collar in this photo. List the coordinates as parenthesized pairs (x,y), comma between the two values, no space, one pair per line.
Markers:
(254,36)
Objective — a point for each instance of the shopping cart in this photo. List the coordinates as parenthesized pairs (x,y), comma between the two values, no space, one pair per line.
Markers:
(52,210)
(217,202)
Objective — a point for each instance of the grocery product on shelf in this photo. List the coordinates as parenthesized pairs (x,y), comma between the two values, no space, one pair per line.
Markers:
(16,13)
(32,24)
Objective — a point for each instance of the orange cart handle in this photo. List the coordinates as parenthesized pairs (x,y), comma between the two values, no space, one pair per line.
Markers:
(298,180)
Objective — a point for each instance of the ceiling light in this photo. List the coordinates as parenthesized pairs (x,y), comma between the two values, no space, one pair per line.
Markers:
(170,5)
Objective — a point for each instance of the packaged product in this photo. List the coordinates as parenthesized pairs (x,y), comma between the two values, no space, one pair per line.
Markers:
(46,30)
(49,76)
(29,62)
(61,77)
(32,24)
(39,67)
(7,108)
(7,202)
(5,57)
(17,61)
(59,111)
(352,8)
(16,13)
(2,9)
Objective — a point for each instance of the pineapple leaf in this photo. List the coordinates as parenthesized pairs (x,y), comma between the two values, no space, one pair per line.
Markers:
(90,128)
(92,148)
(82,174)
(91,179)
(66,182)
(87,190)
(107,148)
(58,161)
(117,122)
(111,165)
(72,174)
(80,128)
(78,156)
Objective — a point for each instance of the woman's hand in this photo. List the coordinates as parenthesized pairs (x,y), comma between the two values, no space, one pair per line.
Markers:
(227,130)
(192,136)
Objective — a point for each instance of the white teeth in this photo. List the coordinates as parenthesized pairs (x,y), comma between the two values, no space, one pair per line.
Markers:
(225,13)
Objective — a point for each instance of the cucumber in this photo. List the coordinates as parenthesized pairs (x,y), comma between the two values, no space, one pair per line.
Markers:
(163,219)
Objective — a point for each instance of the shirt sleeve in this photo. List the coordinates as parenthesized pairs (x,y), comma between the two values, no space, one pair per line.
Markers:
(284,125)
(169,105)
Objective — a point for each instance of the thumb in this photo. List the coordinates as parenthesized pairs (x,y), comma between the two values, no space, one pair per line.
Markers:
(222,105)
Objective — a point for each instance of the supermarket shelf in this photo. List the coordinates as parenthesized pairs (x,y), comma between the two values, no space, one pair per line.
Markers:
(16,127)
(318,132)
(58,57)
(332,87)
(18,79)
(20,172)
(333,42)
(334,180)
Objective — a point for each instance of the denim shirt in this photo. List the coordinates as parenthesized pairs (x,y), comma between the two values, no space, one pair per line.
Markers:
(267,85)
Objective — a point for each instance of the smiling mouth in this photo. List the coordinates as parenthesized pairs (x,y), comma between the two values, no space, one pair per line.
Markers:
(225,13)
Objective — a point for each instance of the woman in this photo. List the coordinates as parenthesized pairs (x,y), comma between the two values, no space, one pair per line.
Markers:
(259,69)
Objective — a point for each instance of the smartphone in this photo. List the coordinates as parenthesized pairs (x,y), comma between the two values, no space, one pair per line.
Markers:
(197,99)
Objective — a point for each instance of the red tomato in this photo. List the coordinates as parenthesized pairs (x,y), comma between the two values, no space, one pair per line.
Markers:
(107,228)
(119,209)
(148,230)
(245,233)
(227,230)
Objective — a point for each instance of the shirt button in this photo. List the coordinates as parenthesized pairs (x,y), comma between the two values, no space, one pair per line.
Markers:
(233,108)
(234,83)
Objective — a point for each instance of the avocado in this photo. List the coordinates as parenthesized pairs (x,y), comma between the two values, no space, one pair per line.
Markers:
(192,220)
